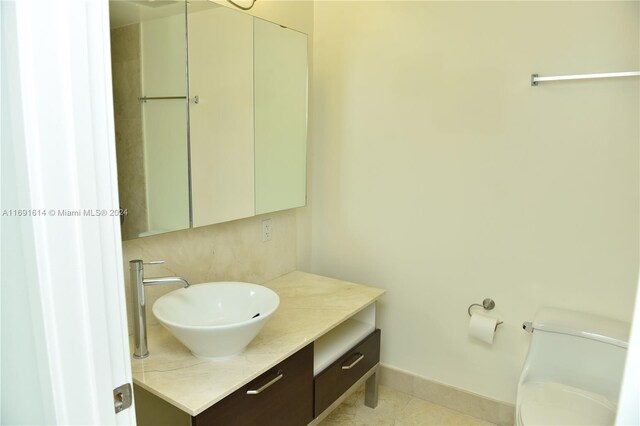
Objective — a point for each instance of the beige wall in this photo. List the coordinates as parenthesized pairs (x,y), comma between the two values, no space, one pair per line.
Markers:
(439,174)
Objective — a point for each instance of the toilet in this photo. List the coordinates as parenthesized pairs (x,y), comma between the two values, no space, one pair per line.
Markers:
(573,370)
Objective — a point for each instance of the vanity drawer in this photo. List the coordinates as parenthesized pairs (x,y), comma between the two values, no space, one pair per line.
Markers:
(336,379)
(283,396)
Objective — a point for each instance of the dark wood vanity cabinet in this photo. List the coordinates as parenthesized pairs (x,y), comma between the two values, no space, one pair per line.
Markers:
(336,379)
(283,396)
(289,394)
(342,352)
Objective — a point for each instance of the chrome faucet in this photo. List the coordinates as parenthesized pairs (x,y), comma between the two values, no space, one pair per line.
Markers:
(138,281)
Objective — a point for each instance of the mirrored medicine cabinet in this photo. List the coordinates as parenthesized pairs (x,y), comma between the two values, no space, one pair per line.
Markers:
(210,108)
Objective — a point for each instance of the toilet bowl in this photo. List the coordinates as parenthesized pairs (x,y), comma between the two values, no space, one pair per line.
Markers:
(573,370)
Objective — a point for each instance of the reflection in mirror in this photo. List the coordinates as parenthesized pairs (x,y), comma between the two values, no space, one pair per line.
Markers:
(148,50)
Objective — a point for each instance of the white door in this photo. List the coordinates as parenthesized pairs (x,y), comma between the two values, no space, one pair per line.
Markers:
(629,403)
(64,331)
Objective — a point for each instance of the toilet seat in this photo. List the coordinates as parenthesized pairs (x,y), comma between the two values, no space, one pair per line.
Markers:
(548,403)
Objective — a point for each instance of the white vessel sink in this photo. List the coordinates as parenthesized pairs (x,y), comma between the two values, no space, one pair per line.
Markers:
(216,320)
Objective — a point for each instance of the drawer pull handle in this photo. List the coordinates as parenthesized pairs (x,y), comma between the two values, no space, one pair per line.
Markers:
(350,366)
(266,385)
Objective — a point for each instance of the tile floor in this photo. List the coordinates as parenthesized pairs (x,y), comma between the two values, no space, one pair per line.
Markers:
(396,409)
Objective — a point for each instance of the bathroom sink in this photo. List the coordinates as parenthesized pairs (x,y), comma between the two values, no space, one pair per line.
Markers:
(216,320)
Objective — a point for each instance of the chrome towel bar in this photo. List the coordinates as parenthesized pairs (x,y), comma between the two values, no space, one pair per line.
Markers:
(196,99)
(535,78)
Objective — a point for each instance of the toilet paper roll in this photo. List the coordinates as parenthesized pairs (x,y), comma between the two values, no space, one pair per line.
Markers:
(482,327)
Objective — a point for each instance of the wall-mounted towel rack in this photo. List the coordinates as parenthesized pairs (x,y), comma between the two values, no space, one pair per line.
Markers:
(535,78)
(155,98)
(196,99)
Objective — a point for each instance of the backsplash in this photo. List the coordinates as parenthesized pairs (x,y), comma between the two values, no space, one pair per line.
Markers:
(232,251)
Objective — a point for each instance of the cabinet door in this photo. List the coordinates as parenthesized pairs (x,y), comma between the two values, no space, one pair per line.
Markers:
(156,190)
(284,397)
(336,379)
(221,123)
(280,63)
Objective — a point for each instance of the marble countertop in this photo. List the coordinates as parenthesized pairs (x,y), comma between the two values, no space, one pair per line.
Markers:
(310,306)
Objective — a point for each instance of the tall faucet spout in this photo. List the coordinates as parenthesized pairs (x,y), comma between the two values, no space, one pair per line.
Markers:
(137,282)
(166,280)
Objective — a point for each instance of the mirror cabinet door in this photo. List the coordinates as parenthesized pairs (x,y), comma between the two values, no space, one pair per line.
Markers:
(221,75)
(280,64)
(148,47)
(237,147)
(165,123)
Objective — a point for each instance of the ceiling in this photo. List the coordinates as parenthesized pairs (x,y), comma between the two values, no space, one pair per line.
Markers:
(127,12)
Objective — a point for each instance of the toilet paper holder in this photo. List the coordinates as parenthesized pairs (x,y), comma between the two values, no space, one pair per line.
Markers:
(488,304)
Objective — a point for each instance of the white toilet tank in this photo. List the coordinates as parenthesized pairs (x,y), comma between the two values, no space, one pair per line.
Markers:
(573,371)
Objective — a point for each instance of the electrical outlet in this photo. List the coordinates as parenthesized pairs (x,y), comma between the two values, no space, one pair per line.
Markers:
(267,230)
